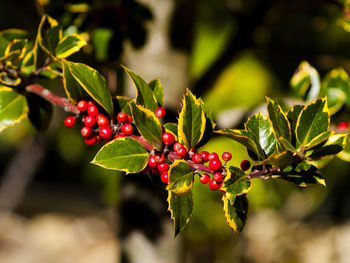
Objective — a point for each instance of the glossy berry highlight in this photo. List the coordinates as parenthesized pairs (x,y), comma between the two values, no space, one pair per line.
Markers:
(213,185)
(160,112)
(127,129)
(105,133)
(215,164)
(164,177)
(204,178)
(168,138)
(69,121)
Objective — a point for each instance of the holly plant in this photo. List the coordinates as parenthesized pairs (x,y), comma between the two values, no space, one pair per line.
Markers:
(285,143)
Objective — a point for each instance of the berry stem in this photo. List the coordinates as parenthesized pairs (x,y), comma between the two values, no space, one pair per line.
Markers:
(49,96)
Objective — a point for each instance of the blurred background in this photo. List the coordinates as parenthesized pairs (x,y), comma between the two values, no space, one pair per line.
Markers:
(56,207)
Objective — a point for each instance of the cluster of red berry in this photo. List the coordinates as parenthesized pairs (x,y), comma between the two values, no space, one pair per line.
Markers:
(159,165)
(97,127)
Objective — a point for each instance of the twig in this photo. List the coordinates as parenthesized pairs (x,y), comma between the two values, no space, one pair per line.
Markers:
(49,96)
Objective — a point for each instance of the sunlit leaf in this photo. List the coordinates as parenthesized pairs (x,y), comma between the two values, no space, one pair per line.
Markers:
(125,154)
(181,209)
(312,121)
(147,124)
(192,121)
(93,83)
(181,177)
(13,107)
(236,213)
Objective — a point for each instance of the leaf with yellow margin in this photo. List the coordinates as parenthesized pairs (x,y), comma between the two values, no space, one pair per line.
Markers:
(181,209)
(180,177)
(236,212)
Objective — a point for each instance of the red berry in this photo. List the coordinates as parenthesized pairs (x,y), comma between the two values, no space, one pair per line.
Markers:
(204,178)
(205,156)
(127,129)
(82,105)
(343,125)
(90,140)
(102,121)
(164,177)
(213,156)
(119,135)
(163,167)
(213,185)
(122,117)
(160,158)
(217,177)
(226,156)
(89,121)
(129,119)
(105,133)
(245,164)
(197,158)
(152,161)
(69,121)
(92,110)
(160,112)
(85,131)
(181,152)
(215,164)
(177,146)
(168,138)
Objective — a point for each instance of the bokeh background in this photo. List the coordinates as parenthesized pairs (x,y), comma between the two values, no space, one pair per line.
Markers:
(56,207)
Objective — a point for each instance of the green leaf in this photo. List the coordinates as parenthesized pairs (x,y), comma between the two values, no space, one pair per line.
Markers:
(262,130)
(121,104)
(278,118)
(93,83)
(192,121)
(125,154)
(243,137)
(27,66)
(144,94)
(302,177)
(280,160)
(9,80)
(334,145)
(181,177)
(235,183)
(39,54)
(40,112)
(304,76)
(345,154)
(13,33)
(181,209)
(172,128)
(147,124)
(15,51)
(323,137)
(292,116)
(68,45)
(236,213)
(49,35)
(13,107)
(157,89)
(336,87)
(209,125)
(71,86)
(313,120)
(336,99)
